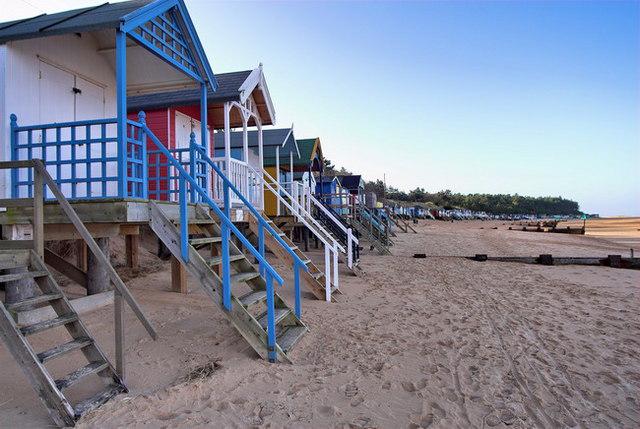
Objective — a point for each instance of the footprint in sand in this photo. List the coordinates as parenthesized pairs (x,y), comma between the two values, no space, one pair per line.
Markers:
(327,411)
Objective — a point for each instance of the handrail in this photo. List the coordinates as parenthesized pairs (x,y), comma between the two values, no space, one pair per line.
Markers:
(304,211)
(330,215)
(42,179)
(224,219)
(85,234)
(252,209)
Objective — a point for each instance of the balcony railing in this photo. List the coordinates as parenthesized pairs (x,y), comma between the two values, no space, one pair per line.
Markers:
(83,158)
(86,162)
(242,177)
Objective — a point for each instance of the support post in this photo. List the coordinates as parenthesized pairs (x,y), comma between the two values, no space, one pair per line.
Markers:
(227,139)
(121,102)
(226,236)
(204,141)
(97,274)
(178,276)
(261,246)
(81,255)
(296,282)
(245,154)
(192,166)
(261,161)
(277,178)
(132,243)
(336,274)
(271,322)
(350,247)
(119,333)
(327,274)
(184,221)
(38,213)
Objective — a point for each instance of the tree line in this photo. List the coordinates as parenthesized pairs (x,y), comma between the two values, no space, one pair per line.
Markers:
(490,203)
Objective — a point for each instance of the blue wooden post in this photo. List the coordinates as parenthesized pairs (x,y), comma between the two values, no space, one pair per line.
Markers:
(192,164)
(142,118)
(203,135)
(184,221)
(271,321)
(121,101)
(296,282)
(226,266)
(261,246)
(13,119)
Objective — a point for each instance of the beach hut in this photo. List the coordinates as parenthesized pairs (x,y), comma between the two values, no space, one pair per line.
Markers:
(71,150)
(242,100)
(279,149)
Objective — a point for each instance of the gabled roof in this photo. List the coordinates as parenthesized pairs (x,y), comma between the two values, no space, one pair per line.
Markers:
(350,182)
(271,139)
(233,86)
(107,15)
(122,15)
(310,154)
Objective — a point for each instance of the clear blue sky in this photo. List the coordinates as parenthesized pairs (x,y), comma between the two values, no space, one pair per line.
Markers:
(535,98)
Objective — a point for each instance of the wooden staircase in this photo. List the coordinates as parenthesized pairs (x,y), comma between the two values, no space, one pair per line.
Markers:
(248,312)
(26,264)
(314,278)
(381,243)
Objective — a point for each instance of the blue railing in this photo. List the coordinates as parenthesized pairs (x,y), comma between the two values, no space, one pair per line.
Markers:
(82,157)
(298,263)
(187,183)
(164,177)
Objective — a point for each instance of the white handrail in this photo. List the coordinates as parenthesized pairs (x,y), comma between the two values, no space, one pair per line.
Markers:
(299,209)
(328,247)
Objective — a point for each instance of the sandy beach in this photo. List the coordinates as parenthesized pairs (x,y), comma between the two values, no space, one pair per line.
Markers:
(435,342)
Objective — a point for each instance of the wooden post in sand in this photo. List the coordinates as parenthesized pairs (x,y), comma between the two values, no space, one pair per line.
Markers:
(132,243)
(97,274)
(178,276)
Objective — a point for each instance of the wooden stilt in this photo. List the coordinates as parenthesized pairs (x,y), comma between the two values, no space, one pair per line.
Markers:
(178,276)
(132,243)
(97,274)
(119,333)
(81,255)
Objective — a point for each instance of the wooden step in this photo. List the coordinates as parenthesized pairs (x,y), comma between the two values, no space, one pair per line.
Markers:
(317,275)
(204,240)
(97,400)
(243,277)
(217,260)
(62,349)
(24,275)
(280,314)
(34,301)
(306,261)
(290,336)
(253,297)
(195,221)
(48,324)
(77,375)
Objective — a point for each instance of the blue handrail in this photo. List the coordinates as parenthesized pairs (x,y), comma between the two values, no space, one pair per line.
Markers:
(262,224)
(226,228)
(246,202)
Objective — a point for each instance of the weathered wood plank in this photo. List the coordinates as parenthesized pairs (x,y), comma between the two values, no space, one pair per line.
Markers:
(65,268)
(178,276)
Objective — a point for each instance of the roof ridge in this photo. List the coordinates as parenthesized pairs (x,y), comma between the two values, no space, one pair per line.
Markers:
(75,15)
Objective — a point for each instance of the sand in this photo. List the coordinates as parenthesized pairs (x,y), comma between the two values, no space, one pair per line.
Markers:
(436,342)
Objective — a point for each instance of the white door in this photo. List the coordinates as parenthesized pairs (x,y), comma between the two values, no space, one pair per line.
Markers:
(66,97)
(90,104)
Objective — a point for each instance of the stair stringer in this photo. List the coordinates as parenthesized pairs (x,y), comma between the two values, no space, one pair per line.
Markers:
(364,231)
(58,407)
(241,319)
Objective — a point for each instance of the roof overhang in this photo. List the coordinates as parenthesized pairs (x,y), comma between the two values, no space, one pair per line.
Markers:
(177,45)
